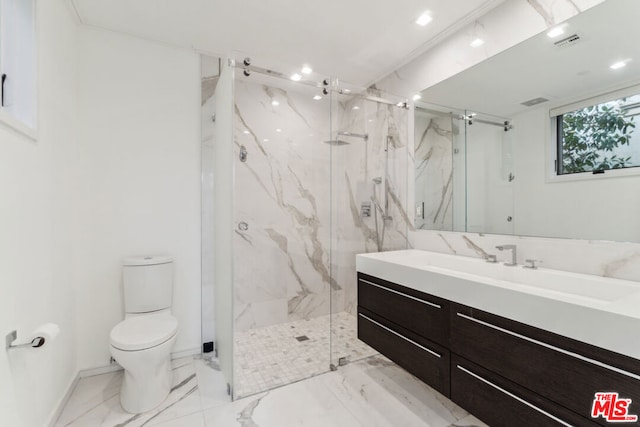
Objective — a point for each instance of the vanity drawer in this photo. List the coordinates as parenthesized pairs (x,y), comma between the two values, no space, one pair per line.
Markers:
(422,358)
(560,369)
(499,402)
(418,312)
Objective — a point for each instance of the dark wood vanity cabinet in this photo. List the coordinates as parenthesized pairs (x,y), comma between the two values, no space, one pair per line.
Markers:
(424,314)
(556,368)
(414,336)
(504,372)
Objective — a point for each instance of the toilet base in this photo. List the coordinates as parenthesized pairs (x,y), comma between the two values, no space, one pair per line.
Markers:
(147,376)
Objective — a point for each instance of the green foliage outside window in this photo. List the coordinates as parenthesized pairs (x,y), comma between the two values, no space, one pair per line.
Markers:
(590,137)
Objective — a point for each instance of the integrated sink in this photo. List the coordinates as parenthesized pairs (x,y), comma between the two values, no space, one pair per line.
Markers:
(595,288)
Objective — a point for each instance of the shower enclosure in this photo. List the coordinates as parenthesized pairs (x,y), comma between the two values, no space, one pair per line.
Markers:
(305,176)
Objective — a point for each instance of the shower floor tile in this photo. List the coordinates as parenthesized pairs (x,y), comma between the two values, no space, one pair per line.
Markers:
(276,355)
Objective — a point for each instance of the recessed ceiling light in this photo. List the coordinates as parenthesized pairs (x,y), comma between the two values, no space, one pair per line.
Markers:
(278,130)
(356,108)
(476,42)
(555,32)
(275,103)
(246,132)
(265,140)
(618,65)
(296,77)
(317,97)
(424,19)
(417,96)
(306,70)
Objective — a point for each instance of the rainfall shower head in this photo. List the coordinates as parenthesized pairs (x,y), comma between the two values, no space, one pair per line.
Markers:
(336,142)
(339,141)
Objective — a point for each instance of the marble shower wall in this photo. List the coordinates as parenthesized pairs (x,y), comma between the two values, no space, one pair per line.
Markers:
(355,168)
(282,203)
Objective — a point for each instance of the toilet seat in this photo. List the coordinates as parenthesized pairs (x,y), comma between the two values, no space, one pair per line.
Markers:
(142,332)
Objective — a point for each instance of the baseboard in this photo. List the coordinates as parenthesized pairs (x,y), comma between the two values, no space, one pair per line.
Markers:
(55,414)
(100,370)
(186,353)
(116,367)
(84,373)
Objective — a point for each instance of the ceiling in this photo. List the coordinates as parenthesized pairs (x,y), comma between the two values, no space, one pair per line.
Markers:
(358,41)
(537,68)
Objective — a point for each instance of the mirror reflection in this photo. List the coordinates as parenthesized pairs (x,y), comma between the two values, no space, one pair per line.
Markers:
(476,174)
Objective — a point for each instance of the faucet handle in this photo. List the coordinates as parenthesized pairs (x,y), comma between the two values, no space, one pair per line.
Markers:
(531,263)
(491,258)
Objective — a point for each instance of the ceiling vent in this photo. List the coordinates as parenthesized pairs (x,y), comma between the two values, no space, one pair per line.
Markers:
(534,101)
(568,41)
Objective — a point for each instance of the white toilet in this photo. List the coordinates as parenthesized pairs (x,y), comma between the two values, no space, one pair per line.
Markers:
(142,342)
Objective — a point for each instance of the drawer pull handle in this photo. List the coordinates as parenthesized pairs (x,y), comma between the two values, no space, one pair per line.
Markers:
(552,347)
(401,336)
(497,387)
(400,293)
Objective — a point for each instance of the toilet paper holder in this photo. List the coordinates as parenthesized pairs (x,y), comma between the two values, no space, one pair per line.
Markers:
(13,335)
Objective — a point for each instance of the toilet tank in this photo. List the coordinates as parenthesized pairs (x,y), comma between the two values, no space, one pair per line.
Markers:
(148,283)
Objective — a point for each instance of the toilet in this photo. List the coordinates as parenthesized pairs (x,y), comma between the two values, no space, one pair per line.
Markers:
(143,341)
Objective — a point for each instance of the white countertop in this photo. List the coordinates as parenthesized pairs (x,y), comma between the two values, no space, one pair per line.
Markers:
(597,310)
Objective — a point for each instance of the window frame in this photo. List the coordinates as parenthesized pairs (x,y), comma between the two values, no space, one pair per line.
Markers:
(7,119)
(555,134)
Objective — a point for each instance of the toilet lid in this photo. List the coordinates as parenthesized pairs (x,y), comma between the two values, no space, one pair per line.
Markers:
(141,332)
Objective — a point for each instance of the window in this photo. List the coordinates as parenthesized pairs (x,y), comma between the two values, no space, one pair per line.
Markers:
(599,137)
(17,64)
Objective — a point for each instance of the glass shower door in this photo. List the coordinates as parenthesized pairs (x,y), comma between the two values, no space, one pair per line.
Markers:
(369,195)
(281,241)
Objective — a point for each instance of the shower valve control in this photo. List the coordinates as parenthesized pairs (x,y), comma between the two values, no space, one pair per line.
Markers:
(243,153)
(243,226)
(365,209)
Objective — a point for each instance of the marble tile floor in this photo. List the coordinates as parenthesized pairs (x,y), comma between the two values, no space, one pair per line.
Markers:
(280,354)
(373,392)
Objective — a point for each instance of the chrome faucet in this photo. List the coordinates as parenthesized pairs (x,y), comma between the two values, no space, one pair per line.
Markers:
(514,258)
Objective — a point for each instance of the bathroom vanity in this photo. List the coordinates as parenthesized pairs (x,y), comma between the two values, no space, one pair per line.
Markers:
(508,350)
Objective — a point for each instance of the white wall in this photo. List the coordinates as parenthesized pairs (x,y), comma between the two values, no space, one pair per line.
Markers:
(139,125)
(37,216)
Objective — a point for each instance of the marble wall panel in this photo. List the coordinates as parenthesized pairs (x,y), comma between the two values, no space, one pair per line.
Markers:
(281,259)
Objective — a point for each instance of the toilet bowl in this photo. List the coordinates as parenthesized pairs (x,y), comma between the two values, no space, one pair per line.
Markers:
(143,341)
(142,346)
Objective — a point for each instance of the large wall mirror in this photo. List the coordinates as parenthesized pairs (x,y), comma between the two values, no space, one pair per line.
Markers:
(486,148)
